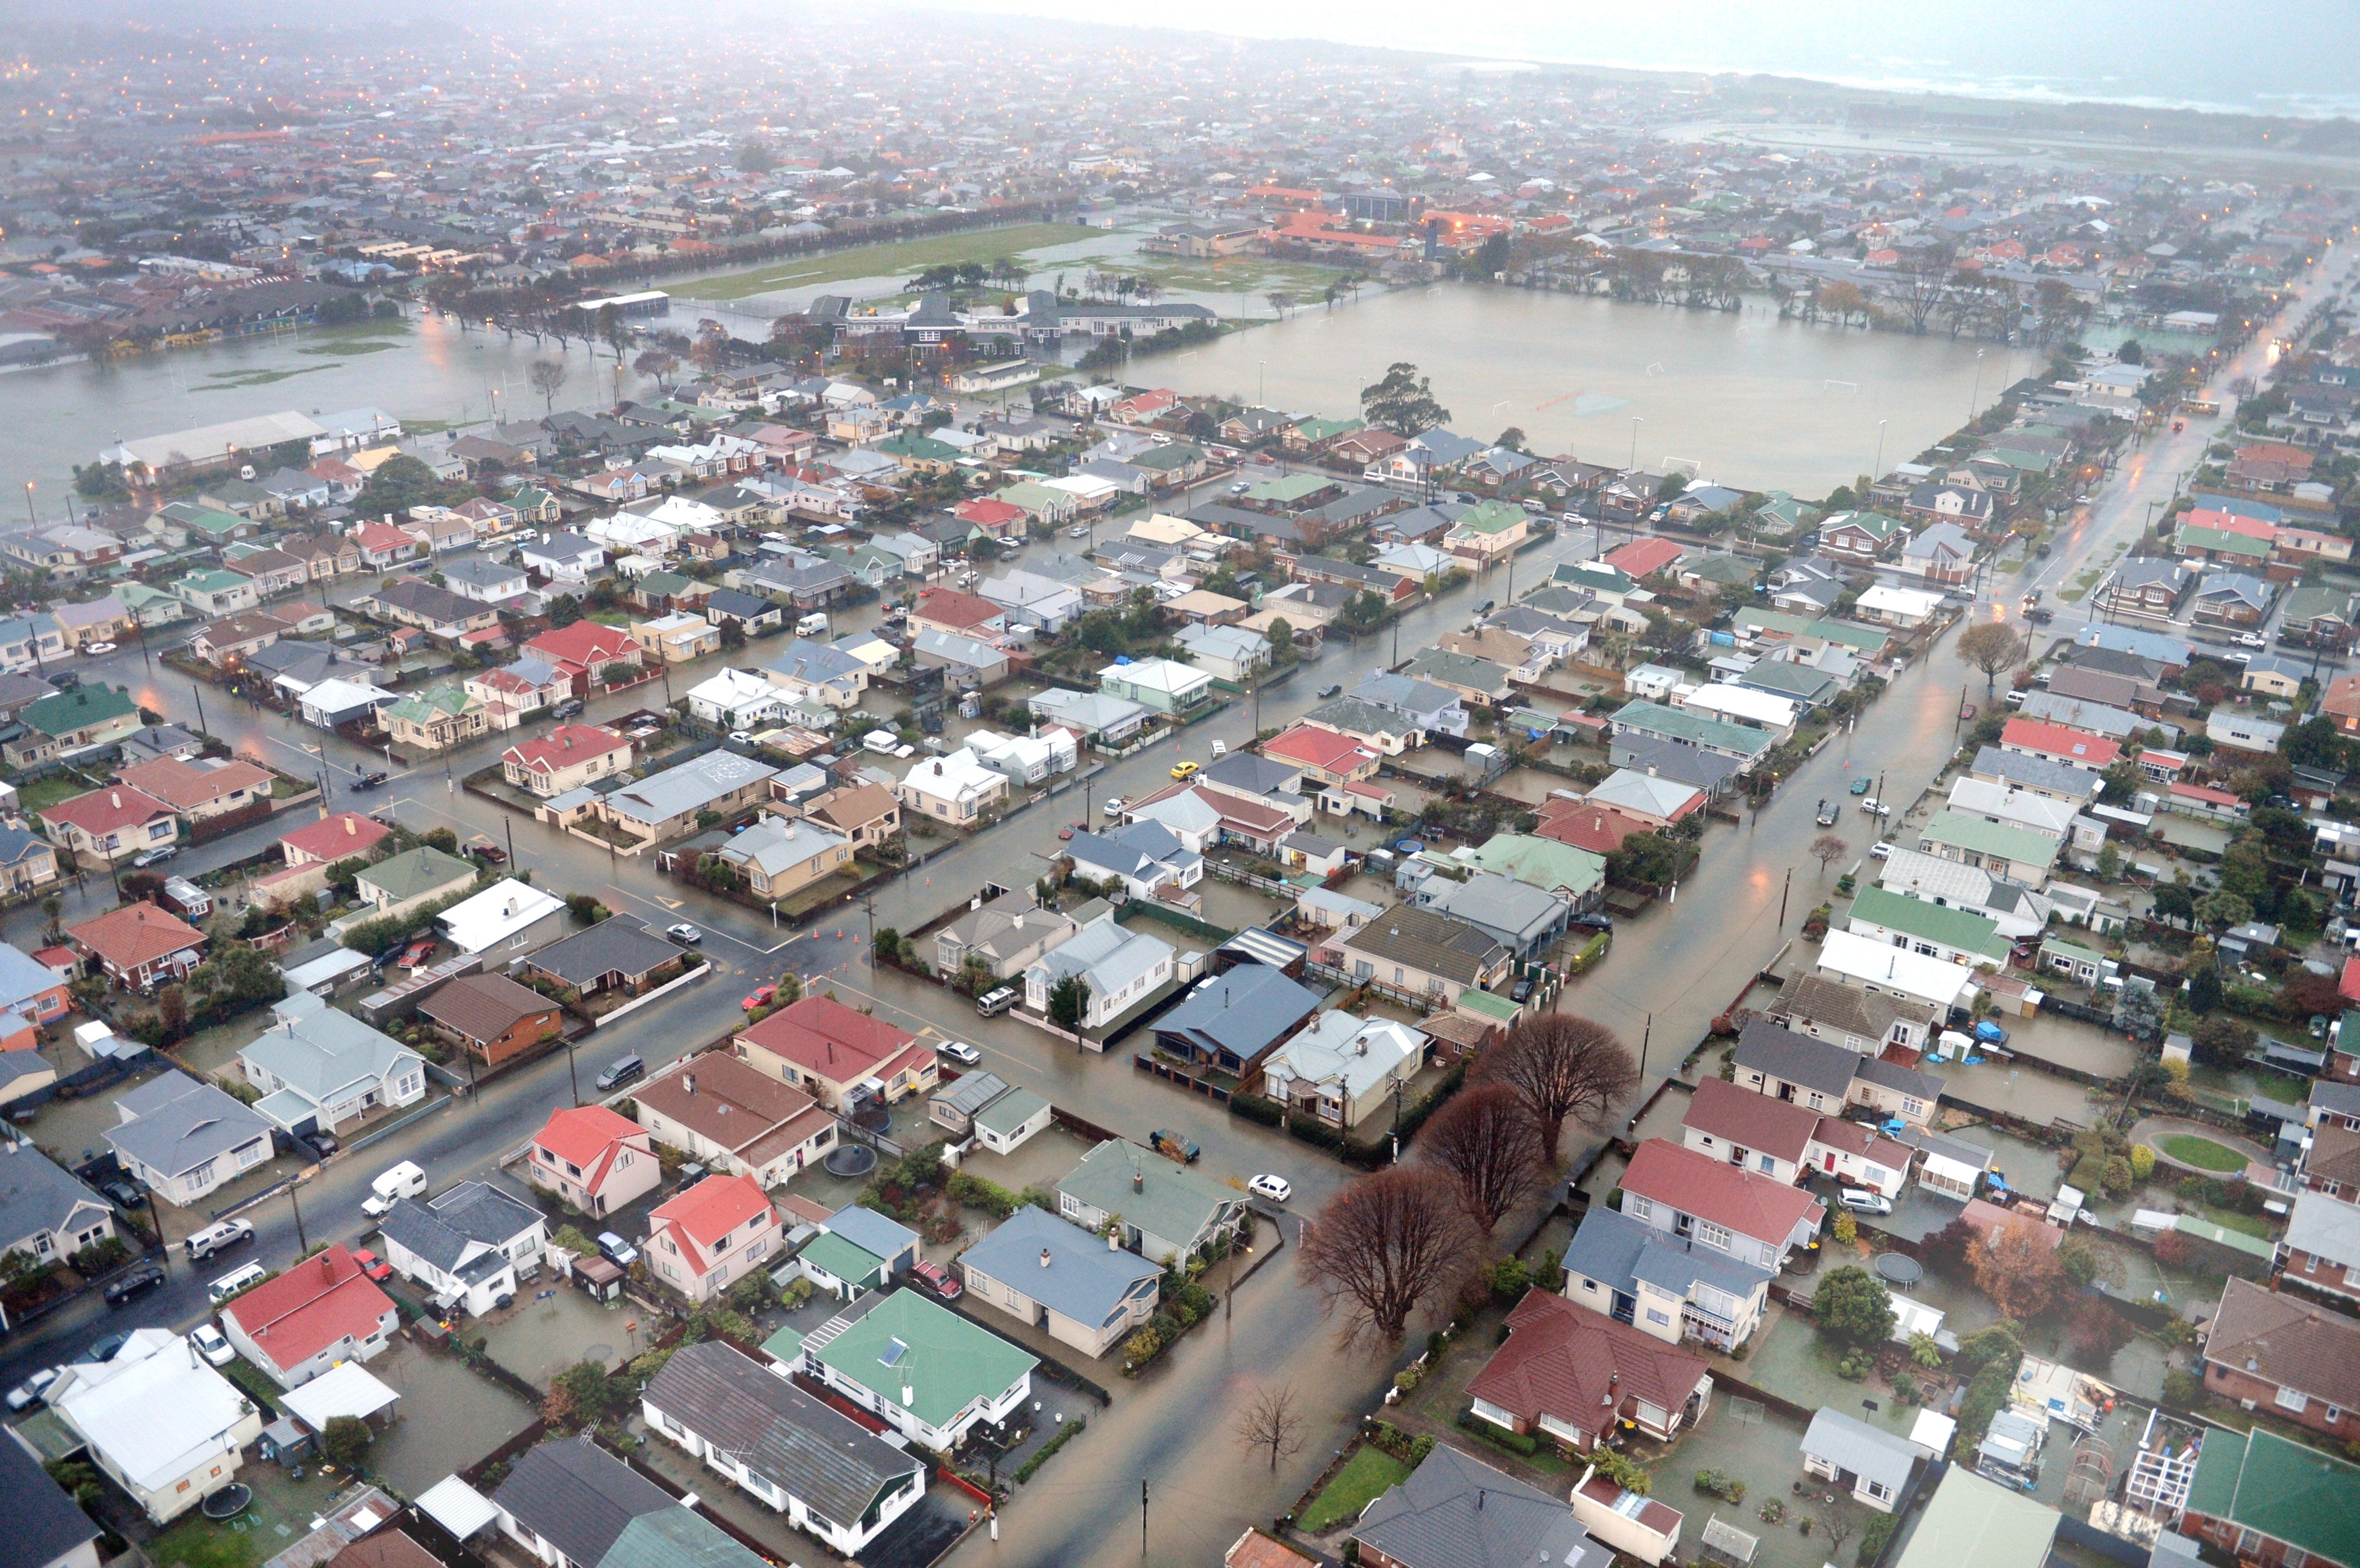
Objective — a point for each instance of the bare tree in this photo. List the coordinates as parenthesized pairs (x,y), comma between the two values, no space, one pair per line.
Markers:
(1386,1245)
(1562,1065)
(1918,281)
(1489,1147)
(548,377)
(1838,1529)
(1826,849)
(1991,647)
(1268,1423)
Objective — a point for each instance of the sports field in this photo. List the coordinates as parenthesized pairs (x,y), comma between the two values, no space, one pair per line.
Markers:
(902,258)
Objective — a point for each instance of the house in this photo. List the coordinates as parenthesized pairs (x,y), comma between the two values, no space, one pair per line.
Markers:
(1865,1021)
(676,638)
(1230,1021)
(438,613)
(593,657)
(435,720)
(1455,1511)
(413,879)
(2288,1355)
(1862,536)
(617,953)
(928,1373)
(464,1248)
(204,791)
(571,1504)
(826,1472)
(780,856)
(593,1159)
(319,1069)
(1051,1274)
(1165,1212)
(1872,1464)
(1663,1284)
(734,699)
(1120,969)
(1004,936)
(568,757)
(1824,1077)
(1747,1216)
(1420,954)
(2261,1498)
(111,825)
(1954,935)
(320,1313)
(69,723)
(46,1215)
(717,1231)
(1341,1069)
(2321,1249)
(826,1049)
(26,863)
(2019,854)
(504,921)
(1754,1132)
(726,1116)
(564,558)
(138,945)
(183,1138)
(1639,1527)
(164,1426)
(492,1018)
(865,815)
(47,1530)
(696,794)
(1578,1377)
(1159,685)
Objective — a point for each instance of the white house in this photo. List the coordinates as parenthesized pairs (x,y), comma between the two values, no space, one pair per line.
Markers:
(953,788)
(464,1248)
(1120,968)
(1341,1069)
(319,1068)
(733,699)
(566,558)
(167,1428)
(183,1138)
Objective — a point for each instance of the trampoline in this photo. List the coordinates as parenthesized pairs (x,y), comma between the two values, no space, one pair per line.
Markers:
(1899,1268)
(227,1503)
(849,1159)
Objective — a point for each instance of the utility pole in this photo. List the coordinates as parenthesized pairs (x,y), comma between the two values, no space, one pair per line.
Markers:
(572,1082)
(869,906)
(199,692)
(1142,1515)
(1783,891)
(295,1197)
(1647,1034)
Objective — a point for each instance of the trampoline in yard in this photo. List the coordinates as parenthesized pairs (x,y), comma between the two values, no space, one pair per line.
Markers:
(849,1159)
(1899,1268)
(227,1503)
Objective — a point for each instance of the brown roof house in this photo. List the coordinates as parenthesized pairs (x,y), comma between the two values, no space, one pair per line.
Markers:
(1571,1376)
(493,1017)
(139,944)
(731,1118)
(2288,1355)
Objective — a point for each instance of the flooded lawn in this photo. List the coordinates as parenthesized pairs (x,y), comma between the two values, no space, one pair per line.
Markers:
(2019,1091)
(553,1325)
(1756,1446)
(2068,1042)
(450,1417)
(1793,1360)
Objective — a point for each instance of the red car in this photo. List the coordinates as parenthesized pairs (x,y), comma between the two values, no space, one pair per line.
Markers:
(373,1265)
(1064,832)
(760,997)
(415,954)
(937,1279)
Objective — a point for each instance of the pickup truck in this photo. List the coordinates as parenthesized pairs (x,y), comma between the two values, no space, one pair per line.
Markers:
(1172,1146)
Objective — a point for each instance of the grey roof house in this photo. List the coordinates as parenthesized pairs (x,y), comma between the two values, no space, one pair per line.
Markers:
(45,1213)
(572,1505)
(318,1068)
(1167,1211)
(1872,1464)
(1004,935)
(184,1138)
(1661,1283)
(45,1529)
(463,1246)
(618,951)
(1046,1272)
(1456,1511)
(1231,1020)
(826,1472)
(1521,917)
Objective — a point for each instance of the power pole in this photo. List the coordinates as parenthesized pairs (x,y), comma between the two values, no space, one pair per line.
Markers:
(1648,1033)
(198,691)
(295,1197)
(1142,1515)
(572,1082)
(1783,891)
(869,907)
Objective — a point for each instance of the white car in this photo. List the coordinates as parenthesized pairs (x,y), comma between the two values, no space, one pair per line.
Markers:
(1875,807)
(2250,639)
(958,1051)
(1114,808)
(1277,1189)
(1881,850)
(1861,1202)
(741,738)
(96,649)
(209,1343)
(684,933)
(34,1389)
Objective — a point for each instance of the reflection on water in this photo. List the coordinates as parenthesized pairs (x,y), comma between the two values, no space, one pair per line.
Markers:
(1756,402)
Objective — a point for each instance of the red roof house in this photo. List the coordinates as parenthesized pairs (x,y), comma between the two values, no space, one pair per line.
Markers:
(583,650)
(1598,829)
(331,839)
(1752,1218)
(2031,737)
(1645,557)
(961,615)
(1002,519)
(719,1231)
(565,759)
(1325,755)
(824,1047)
(1755,1132)
(594,1158)
(1570,1374)
(139,945)
(381,545)
(111,823)
(322,1311)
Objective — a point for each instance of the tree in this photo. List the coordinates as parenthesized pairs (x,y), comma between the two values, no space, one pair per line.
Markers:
(1991,647)
(1562,1065)
(547,378)
(1281,640)
(1491,256)
(401,482)
(2222,908)
(2017,1268)
(2131,353)
(2096,1331)
(1512,438)
(1403,402)
(2312,744)
(1489,1147)
(656,364)
(1826,849)
(2222,1041)
(755,156)
(2173,902)
(1386,1245)
(1069,1003)
(1268,1423)
(343,1440)
(1853,1307)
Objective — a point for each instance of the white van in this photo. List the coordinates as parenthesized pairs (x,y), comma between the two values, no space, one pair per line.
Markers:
(404,1181)
(236,1280)
(812,625)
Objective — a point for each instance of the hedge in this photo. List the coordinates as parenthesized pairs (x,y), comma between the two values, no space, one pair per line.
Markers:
(1255,1108)
(1515,1442)
(1026,1471)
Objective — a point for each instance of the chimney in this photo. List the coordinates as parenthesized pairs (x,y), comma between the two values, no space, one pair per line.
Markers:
(1044,1258)
(909,1396)
(116,798)
(352,826)
(328,1267)
(1138,1180)
(688,1083)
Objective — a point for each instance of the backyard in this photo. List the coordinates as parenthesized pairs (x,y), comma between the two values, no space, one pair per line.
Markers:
(1362,1481)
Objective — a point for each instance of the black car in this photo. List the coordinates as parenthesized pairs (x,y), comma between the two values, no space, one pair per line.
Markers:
(369,780)
(104,1349)
(132,1284)
(1520,992)
(567,709)
(1594,922)
(1327,692)
(1484,608)
(321,1144)
(121,1193)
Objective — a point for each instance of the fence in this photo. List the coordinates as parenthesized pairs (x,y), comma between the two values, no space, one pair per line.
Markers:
(1173,1074)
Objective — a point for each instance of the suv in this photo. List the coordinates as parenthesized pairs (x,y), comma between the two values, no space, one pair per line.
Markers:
(622,1071)
(994,1002)
(937,1281)
(133,1283)
(216,1238)
(615,1250)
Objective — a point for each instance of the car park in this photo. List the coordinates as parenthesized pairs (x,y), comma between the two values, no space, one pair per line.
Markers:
(622,1071)
(133,1283)
(937,1282)
(207,1341)
(1277,1189)
(216,1238)
(958,1051)
(685,932)
(1860,1201)
(998,1000)
(615,1250)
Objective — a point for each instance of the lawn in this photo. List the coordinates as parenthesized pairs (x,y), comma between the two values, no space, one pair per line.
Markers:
(2230,1219)
(1362,1480)
(904,258)
(1237,274)
(46,791)
(2201,1152)
(197,1542)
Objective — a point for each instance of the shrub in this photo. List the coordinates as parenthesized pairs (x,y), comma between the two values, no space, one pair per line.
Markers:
(1847,1229)
(1925,1350)
(1874,1534)
(1255,1108)
(2142,1162)
(1856,1366)
(2184,1390)
(1510,1281)
(2117,1177)
(974,1192)
(1026,1471)
(1515,1442)
(1393,1440)
(345,1440)
(1311,1129)
(1617,1468)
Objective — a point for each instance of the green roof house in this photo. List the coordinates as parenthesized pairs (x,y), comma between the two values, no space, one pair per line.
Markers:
(412,878)
(1040,501)
(1162,1211)
(2019,854)
(1288,488)
(2257,1488)
(930,1373)
(84,716)
(152,606)
(213,591)
(1543,863)
(1961,936)
(1750,621)
(840,1267)
(1977,1523)
(1653,721)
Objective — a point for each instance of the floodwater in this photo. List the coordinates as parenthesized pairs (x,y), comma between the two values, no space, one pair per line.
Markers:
(1750,400)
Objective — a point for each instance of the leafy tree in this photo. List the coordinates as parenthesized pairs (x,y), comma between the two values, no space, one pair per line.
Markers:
(2203,989)
(2172,902)
(401,482)
(2017,1268)
(2096,1331)
(2222,1041)
(1069,1003)
(1853,1307)
(2313,744)
(1512,438)
(345,1440)
(755,156)
(2222,908)
(1403,402)
(1491,256)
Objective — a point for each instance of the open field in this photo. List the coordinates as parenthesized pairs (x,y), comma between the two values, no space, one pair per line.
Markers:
(903,257)
(1235,275)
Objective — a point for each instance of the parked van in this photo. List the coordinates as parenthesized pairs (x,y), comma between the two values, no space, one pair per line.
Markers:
(812,625)
(404,1181)
(991,1004)
(217,1237)
(238,1279)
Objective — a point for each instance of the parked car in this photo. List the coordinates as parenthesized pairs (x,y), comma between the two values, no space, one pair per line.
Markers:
(1066,833)
(416,954)
(371,1265)
(217,1237)
(1186,770)
(685,932)
(131,1284)
(995,1001)
(1860,1201)
(1485,607)
(153,858)
(35,1388)
(1520,992)
(615,1250)
(958,1051)
(207,1341)
(244,1277)
(121,1193)
(320,1143)
(106,1347)
(622,1071)
(1277,1189)
(1172,1146)
(2250,639)
(1114,808)
(1859,786)
(1594,921)
(487,852)
(1881,850)
(937,1280)
(367,781)
(1333,690)
(1827,814)
(741,738)
(1079,530)
(759,996)
(1966,712)
(1875,807)
(98,649)
(569,708)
